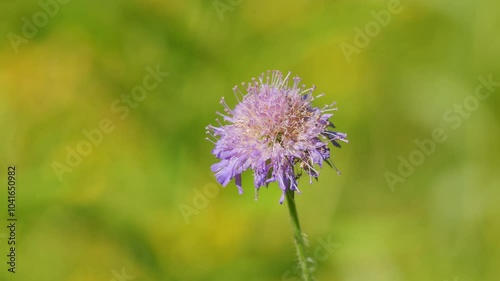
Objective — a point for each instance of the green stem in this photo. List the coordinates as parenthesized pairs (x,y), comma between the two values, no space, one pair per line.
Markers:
(300,244)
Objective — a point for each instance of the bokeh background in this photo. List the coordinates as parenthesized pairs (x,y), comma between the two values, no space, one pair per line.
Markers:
(122,210)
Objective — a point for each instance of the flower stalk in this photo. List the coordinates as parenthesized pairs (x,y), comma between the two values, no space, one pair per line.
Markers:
(300,243)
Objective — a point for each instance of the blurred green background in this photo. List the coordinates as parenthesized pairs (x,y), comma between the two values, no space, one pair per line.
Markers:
(120,214)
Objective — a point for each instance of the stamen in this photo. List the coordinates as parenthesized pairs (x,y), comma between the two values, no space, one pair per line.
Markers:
(226,118)
(226,107)
(218,121)
(329,109)
(208,139)
(285,80)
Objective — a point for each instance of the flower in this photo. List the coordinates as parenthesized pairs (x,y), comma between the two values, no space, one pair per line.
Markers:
(275,131)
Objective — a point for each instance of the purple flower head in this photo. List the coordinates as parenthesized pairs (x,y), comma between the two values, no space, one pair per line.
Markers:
(275,131)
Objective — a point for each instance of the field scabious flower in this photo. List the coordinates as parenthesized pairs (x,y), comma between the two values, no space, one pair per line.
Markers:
(275,131)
